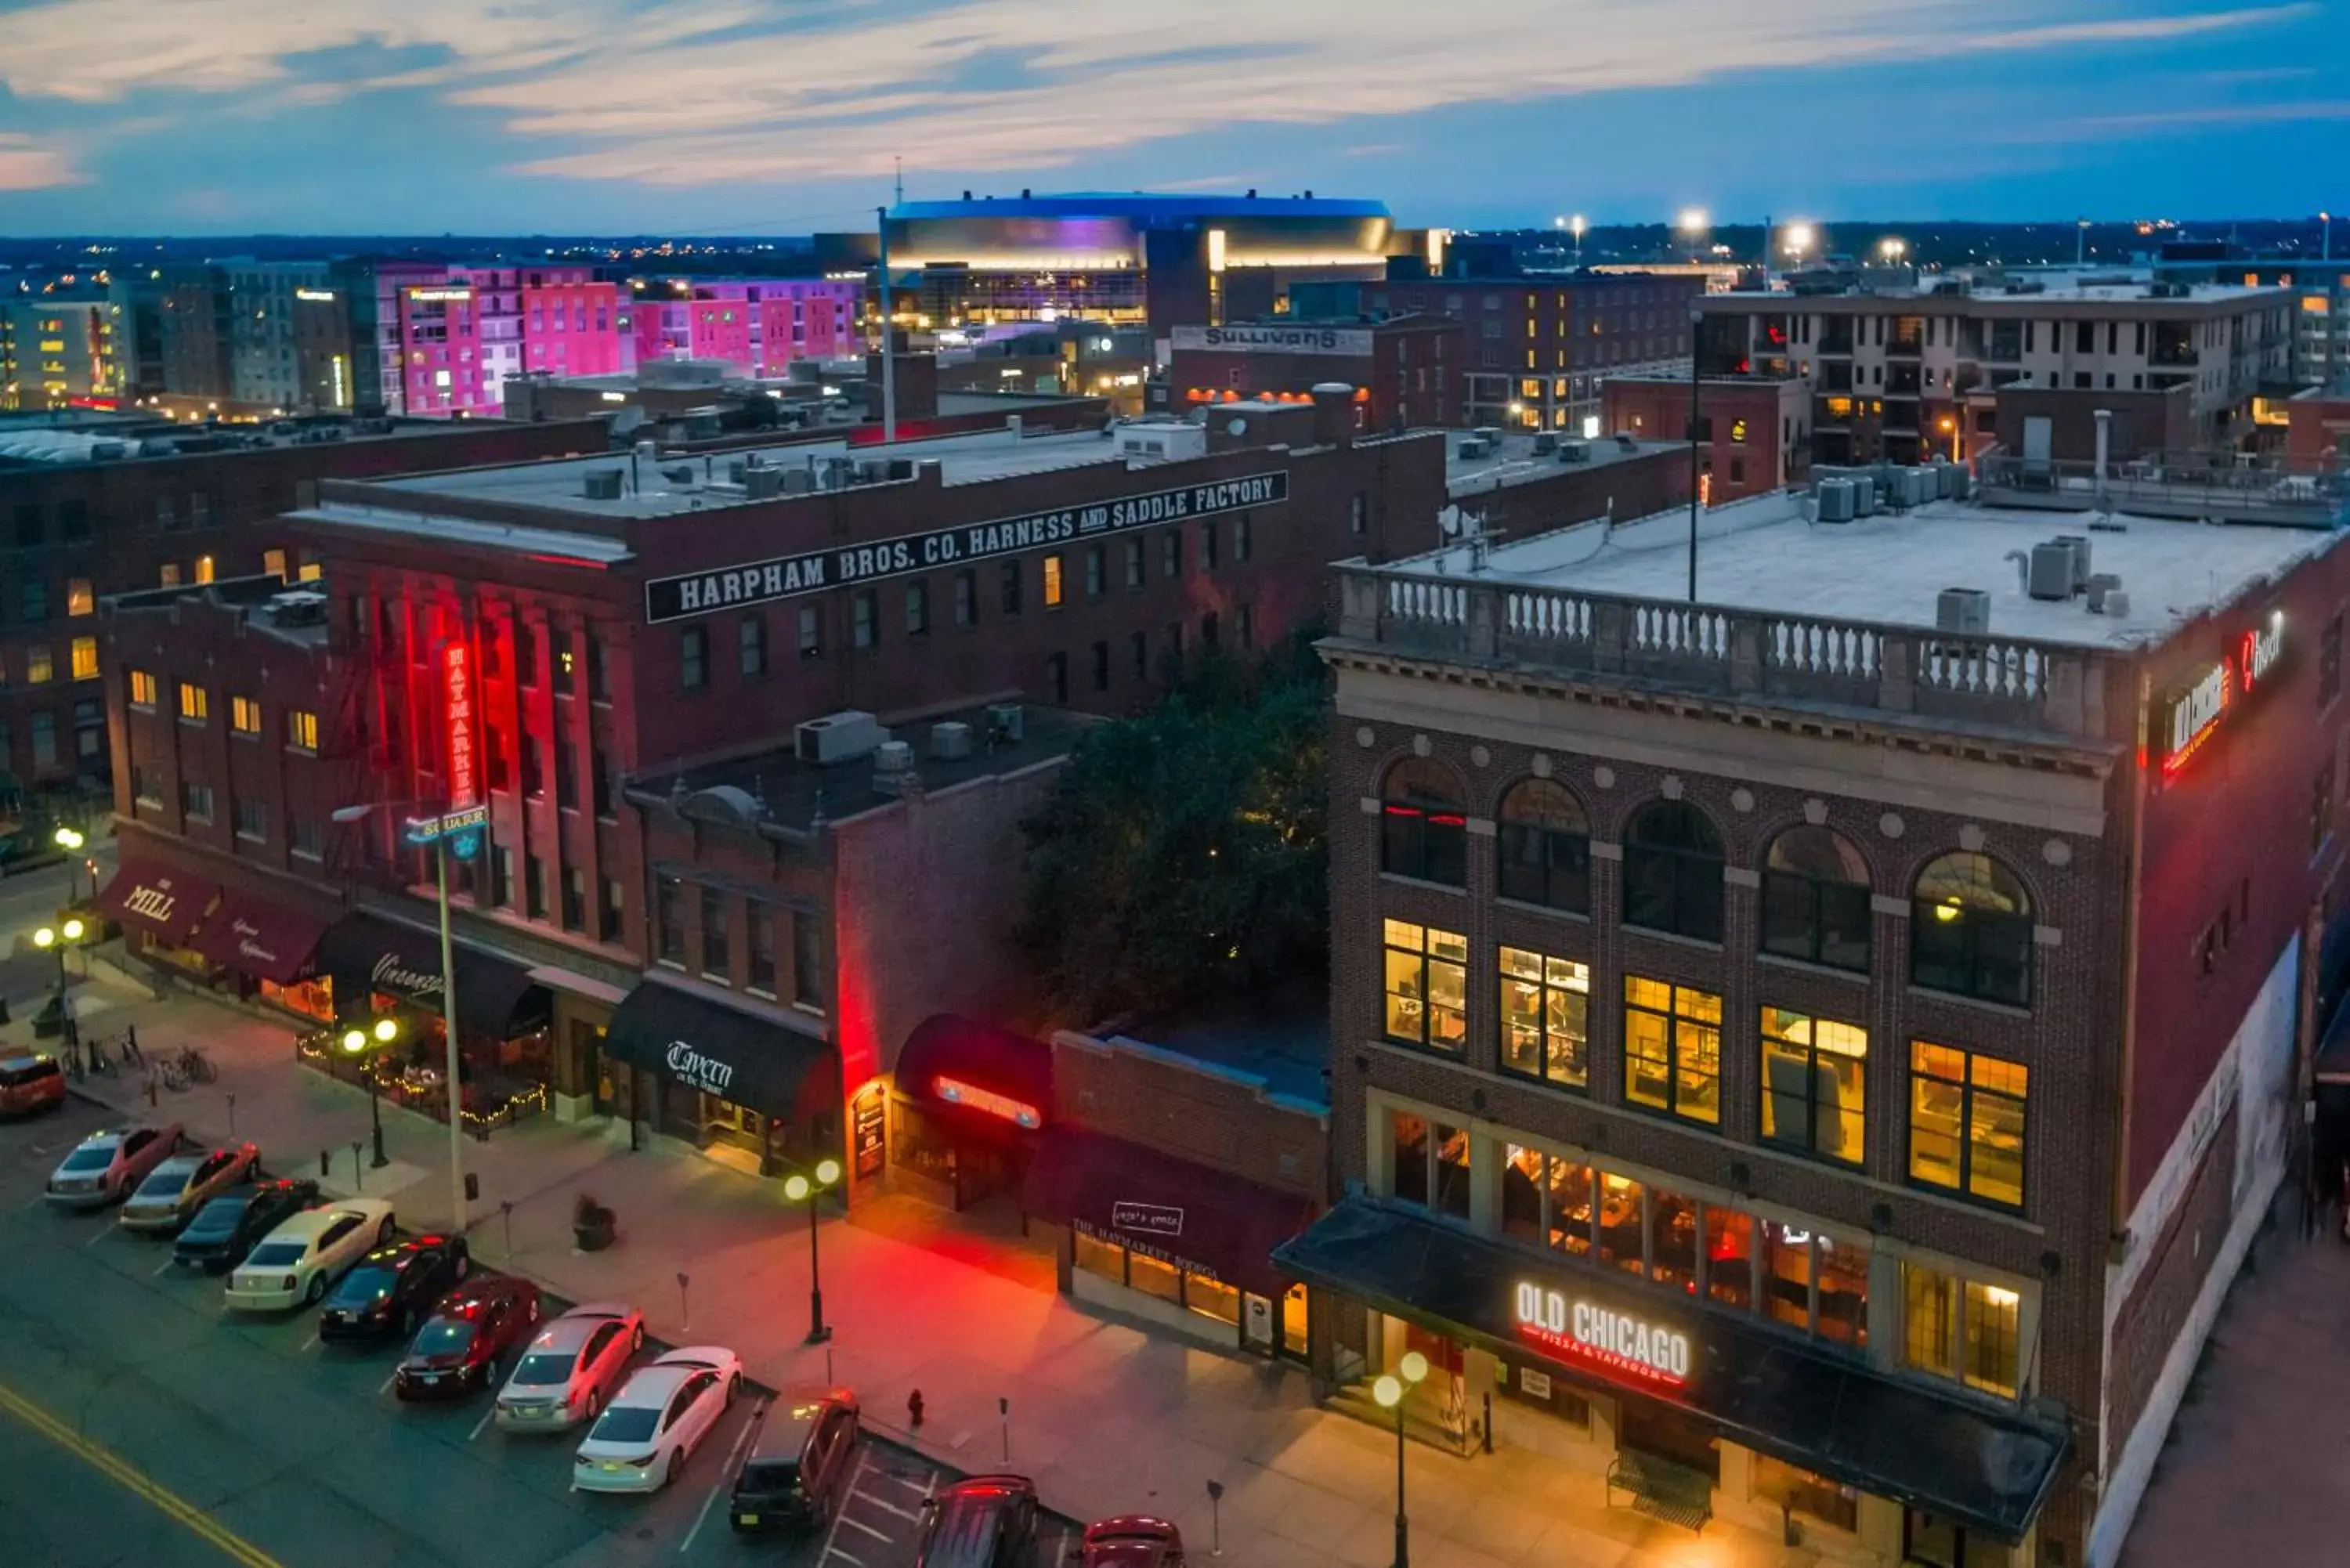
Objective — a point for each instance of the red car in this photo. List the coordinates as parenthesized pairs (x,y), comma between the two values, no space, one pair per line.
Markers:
(458,1348)
(1133,1540)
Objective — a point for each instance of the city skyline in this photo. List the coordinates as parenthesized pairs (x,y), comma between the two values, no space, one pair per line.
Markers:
(358,116)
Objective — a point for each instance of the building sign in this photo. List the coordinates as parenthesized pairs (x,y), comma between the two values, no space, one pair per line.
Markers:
(870,1121)
(1536,1385)
(1349,342)
(248,941)
(788,577)
(391,974)
(316,295)
(696,1071)
(1150,1218)
(2192,712)
(1618,1345)
(440,295)
(457,712)
(1143,1248)
(955,1092)
(153,901)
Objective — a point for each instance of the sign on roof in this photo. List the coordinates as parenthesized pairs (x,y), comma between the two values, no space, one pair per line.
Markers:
(1336,340)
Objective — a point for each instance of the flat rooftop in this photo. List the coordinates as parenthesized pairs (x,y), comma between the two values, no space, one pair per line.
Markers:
(1765,554)
(132,440)
(1282,1036)
(1513,459)
(2029,290)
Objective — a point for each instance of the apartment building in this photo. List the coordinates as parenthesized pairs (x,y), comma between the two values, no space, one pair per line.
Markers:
(57,353)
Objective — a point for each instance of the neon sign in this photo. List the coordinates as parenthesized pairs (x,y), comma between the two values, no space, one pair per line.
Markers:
(457,708)
(1616,1343)
(440,295)
(955,1092)
(2196,707)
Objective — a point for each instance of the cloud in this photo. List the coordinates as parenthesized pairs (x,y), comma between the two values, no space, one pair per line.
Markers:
(27,165)
(2222,114)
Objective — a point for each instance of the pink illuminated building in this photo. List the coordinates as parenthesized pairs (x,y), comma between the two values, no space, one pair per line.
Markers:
(762,325)
(577,329)
(462,334)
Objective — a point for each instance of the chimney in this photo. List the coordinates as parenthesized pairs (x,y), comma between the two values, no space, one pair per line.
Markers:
(1334,414)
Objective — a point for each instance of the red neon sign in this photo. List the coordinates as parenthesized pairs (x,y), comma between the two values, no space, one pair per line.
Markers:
(955,1092)
(457,708)
(1616,1345)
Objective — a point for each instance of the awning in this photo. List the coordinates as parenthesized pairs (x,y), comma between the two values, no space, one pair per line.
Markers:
(719,1050)
(1988,1467)
(495,995)
(162,901)
(260,937)
(1209,1221)
(987,1079)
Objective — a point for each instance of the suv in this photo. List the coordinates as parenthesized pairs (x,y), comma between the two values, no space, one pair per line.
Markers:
(29,1082)
(980,1522)
(797,1473)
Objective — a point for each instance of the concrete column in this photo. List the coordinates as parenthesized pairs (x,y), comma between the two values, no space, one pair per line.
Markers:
(1880,1526)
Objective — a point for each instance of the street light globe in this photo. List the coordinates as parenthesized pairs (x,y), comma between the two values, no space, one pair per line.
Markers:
(796,1189)
(828,1171)
(1693,220)
(1388,1392)
(69,839)
(387,1029)
(1414,1366)
(354,1040)
(1798,238)
(74,929)
(1577,225)
(1893,249)
(45,937)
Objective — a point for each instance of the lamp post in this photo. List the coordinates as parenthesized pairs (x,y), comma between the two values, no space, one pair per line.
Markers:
(1697,319)
(1390,1391)
(1576,225)
(57,938)
(70,840)
(1795,241)
(356,1043)
(1893,249)
(800,1190)
(1694,222)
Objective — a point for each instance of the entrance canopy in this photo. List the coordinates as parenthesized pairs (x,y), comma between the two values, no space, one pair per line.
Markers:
(260,937)
(986,1080)
(743,1059)
(496,998)
(1988,1467)
(1209,1221)
(161,900)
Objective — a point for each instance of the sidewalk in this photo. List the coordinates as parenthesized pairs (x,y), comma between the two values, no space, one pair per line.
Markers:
(1107,1416)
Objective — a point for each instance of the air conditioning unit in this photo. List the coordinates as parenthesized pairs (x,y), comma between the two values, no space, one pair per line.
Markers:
(1836,500)
(1545,443)
(950,741)
(1966,611)
(1575,451)
(892,757)
(602,484)
(1475,446)
(2051,572)
(763,483)
(838,737)
(1005,721)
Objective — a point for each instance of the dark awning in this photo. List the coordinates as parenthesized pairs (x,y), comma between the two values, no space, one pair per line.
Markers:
(1207,1221)
(495,995)
(260,937)
(990,1079)
(1989,1468)
(161,900)
(719,1050)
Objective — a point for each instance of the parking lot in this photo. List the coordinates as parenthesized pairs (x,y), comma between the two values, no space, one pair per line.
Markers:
(140,1421)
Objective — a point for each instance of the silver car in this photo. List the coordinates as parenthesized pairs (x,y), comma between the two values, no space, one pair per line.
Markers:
(105,1166)
(569,1372)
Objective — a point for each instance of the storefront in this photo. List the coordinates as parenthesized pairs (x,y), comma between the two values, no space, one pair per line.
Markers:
(377,966)
(971,1100)
(1164,1239)
(267,948)
(162,907)
(750,1087)
(1689,1410)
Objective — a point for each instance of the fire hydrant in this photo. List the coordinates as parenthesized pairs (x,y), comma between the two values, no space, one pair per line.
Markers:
(914,1410)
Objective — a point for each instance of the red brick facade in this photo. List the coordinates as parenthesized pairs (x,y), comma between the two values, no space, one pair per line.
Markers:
(1760,432)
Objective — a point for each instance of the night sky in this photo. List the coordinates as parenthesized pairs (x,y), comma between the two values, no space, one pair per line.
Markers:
(783,115)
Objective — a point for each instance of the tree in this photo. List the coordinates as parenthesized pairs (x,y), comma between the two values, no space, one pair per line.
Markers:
(1186,849)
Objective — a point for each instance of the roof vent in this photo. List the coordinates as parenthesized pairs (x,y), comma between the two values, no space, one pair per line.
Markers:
(950,741)
(601,484)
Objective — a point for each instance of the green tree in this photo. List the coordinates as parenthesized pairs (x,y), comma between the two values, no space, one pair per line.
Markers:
(1186,849)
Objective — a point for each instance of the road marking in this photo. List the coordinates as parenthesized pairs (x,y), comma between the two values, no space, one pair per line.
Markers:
(384,1387)
(101,1236)
(311,1342)
(162,1268)
(487,1415)
(886,1507)
(843,1518)
(849,1557)
(864,1459)
(127,1476)
(923,1489)
(732,1458)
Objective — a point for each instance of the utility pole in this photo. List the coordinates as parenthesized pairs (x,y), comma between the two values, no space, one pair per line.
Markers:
(898,166)
(888,339)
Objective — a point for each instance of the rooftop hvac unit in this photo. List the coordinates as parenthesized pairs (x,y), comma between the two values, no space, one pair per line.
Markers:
(1487,433)
(2080,543)
(797,481)
(1627,441)
(1005,722)
(763,483)
(1836,500)
(950,741)
(2102,591)
(1947,477)
(602,484)
(892,757)
(1575,451)
(2051,574)
(681,474)
(1545,443)
(1925,485)
(1476,446)
(299,607)
(1966,611)
(838,737)
(1864,495)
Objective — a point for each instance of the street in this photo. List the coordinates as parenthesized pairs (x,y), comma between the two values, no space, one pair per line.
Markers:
(139,1421)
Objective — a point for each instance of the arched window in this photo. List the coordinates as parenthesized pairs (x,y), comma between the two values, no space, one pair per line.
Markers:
(1672,871)
(1971,930)
(1546,848)
(1815,899)
(1424,823)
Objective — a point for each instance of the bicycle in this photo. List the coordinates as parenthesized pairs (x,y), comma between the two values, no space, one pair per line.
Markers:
(195,1065)
(171,1073)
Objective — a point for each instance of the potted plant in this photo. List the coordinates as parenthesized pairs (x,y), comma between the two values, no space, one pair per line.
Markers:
(592,1224)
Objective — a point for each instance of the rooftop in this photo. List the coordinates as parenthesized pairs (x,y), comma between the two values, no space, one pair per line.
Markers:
(2022,293)
(1512,460)
(294,612)
(130,439)
(1142,205)
(1280,1036)
(1890,568)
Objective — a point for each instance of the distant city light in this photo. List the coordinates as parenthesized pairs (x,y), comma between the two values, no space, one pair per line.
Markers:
(1798,238)
(1693,220)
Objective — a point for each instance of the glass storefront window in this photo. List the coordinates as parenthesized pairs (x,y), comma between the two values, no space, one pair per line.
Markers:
(1843,1291)
(1408,1158)
(1096,1256)
(1154,1278)
(1522,1194)
(1729,1257)
(1787,1274)
(1452,1171)
(1672,1241)
(1828,1502)
(1989,1325)
(1293,1322)
(1964,1330)
(1569,1208)
(1211,1298)
(1813,1083)
(1621,1224)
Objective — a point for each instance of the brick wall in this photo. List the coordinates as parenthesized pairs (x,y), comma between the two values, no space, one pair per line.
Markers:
(2181,1259)
(1633,486)
(1193,1111)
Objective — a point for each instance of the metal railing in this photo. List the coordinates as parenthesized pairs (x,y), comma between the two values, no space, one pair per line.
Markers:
(2179,485)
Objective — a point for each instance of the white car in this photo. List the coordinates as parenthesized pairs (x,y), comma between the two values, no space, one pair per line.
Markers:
(294,1264)
(570,1369)
(641,1440)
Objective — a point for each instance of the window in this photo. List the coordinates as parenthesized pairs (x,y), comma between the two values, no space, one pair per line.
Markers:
(1672,871)
(80,599)
(566,775)
(864,618)
(1813,1077)
(2329,661)
(1546,1008)
(1427,1164)
(1134,563)
(1241,537)
(244,716)
(84,655)
(1546,848)
(1963,1330)
(1094,571)
(714,934)
(170,575)
(1207,544)
(1427,986)
(808,989)
(1053,582)
(534,887)
(575,900)
(1423,825)
(195,702)
(1971,930)
(599,784)
(1138,646)
(751,644)
(669,919)
(966,598)
(534,767)
(1211,633)
(1056,676)
(1815,899)
(32,599)
(694,658)
(1966,1122)
(196,799)
(501,877)
(1170,552)
(762,943)
(608,910)
(309,839)
(301,729)
(142,689)
(526,652)
(600,670)
(252,821)
(811,634)
(918,608)
(1244,617)
(1672,1049)
(1007,588)
(1358,511)
(1101,666)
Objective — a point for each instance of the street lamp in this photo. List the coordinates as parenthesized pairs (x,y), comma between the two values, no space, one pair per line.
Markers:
(1796,240)
(1694,222)
(70,840)
(355,1042)
(1893,249)
(800,1190)
(57,938)
(1577,225)
(1390,1391)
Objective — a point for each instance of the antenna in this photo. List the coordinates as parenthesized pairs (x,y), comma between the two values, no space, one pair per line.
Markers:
(898,166)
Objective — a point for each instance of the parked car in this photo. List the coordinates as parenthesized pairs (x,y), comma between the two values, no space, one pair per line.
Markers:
(105,1166)
(296,1262)
(458,1348)
(797,1473)
(30,1081)
(387,1293)
(184,1183)
(570,1370)
(225,1228)
(980,1522)
(1132,1541)
(652,1426)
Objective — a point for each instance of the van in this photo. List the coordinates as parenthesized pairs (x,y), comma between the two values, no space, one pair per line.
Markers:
(797,1473)
(980,1522)
(30,1082)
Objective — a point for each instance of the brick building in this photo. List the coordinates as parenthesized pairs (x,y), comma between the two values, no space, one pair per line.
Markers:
(1405,369)
(1810,1047)
(1516,486)
(1753,436)
(2319,434)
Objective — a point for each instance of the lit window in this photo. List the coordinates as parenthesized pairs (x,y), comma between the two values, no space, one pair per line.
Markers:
(273,563)
(1052,582)
(40,665)
(245,715)
(1427,984)
(80,599)
(1672,1049)
(204,568)
(1427,1164)
(1545,1014)
(301,729)
(84,658)
(195,702)
(1813,1071)
(142,689)
(1966,1122)
(1963,1330)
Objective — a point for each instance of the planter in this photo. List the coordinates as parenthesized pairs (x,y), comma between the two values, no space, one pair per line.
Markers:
(595,1232)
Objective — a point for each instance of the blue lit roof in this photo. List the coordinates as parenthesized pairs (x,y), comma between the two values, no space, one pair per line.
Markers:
(1141,206)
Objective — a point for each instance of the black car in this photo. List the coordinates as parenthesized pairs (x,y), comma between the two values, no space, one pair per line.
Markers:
(798,1470)
(980,1522)
(225,1228)
(392,1289)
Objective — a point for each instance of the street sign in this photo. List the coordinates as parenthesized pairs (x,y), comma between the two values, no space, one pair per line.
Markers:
(453,823)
